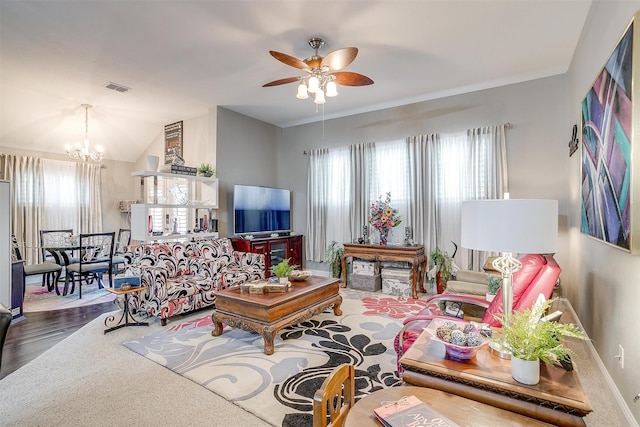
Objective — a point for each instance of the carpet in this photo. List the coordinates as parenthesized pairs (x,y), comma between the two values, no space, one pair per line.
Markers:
(37,298)
(279,388)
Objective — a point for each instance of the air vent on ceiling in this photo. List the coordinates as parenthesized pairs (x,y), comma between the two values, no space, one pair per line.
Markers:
(117,87)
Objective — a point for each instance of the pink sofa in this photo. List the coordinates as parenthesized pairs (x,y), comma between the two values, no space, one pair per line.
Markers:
(538,275)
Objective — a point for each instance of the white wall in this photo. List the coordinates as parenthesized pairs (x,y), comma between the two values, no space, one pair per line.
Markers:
(603,283)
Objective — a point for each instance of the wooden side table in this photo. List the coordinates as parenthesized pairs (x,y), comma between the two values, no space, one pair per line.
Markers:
(466,412)
(123,322)
(558,398)
(414,255)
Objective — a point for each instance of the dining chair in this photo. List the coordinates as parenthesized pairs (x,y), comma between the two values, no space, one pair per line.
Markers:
(95,258)
(53,239)
(334,398)
(49,270)
(124,239)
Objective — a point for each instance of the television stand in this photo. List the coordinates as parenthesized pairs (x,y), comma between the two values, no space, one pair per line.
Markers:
(274,249)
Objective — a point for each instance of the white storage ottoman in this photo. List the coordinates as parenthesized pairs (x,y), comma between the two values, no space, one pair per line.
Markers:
(397,282)
(366,268)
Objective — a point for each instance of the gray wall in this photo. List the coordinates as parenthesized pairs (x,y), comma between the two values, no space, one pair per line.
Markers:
(537,141)
(603,288)
(247,154)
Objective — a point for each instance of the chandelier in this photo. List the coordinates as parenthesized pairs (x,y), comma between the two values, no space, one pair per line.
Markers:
(82,152)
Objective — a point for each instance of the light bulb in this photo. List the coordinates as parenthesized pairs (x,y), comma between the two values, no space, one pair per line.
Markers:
(302,92)
(332,89)
(320,97)
(314,84)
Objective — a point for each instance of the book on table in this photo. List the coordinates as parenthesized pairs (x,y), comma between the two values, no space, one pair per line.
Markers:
(411,412)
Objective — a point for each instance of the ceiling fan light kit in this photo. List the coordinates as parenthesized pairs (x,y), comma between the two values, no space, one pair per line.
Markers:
(82,152)
(323,73)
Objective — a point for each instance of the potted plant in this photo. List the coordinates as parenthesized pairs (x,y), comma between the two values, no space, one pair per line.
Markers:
(440,269)
(283,270)
(493,284)
(530,341)
(205,169)
(334,258)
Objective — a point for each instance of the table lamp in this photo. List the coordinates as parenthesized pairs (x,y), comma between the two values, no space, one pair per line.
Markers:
(509,226)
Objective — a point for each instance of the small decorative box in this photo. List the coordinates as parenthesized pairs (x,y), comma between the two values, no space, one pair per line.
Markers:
(133,281)
(366,268)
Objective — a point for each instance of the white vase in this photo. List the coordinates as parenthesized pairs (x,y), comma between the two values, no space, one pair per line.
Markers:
(152,163)
(525,371)
(284,279)
(489,297)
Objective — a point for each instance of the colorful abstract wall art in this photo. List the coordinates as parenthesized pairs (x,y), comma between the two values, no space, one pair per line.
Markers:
(607,138)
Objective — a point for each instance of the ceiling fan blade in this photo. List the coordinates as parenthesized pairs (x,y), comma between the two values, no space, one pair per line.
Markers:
(288,59)
(347,78)
(281,82)
(339,59)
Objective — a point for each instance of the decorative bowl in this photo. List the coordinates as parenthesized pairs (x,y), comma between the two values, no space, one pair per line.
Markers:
(454,351)
(298,275)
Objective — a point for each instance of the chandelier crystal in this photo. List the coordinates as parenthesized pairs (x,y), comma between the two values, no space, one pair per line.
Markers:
(82,152)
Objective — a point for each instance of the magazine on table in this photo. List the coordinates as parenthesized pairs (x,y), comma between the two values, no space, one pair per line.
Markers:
(411,412)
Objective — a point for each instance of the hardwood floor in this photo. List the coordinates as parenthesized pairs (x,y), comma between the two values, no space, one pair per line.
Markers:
(39,331)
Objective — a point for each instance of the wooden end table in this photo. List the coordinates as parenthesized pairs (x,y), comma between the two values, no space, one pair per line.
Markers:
(412,254)
(267,313)
(558,398)
(126,312)
(466,412)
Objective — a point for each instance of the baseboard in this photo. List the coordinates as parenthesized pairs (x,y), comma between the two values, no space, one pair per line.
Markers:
(612,386)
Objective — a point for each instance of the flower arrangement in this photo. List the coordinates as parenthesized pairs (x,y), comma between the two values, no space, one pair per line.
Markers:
(382,216)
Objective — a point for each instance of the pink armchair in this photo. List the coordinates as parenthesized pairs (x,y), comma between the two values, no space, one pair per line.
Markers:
(538,275)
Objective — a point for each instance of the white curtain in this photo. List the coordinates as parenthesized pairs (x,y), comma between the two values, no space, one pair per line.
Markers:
(428,177)
(25,174)
(51,195)
(469,166)
(390,174)
(328,200)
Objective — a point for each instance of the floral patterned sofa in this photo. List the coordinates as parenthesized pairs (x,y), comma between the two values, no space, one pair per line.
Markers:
(185,276)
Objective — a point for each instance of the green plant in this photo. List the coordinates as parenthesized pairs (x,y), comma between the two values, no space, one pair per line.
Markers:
(529,339)
(443,264)
(334,258)
(493,283)
(206,168)
(283,269)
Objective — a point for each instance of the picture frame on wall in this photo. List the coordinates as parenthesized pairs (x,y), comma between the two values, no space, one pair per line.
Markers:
(609,152)
(173,143)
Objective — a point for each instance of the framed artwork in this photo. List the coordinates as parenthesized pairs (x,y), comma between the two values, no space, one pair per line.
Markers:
(609,153)
(173,143)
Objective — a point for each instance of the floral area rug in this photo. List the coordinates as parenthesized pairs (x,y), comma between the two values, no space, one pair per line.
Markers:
(37,298)
(279,388)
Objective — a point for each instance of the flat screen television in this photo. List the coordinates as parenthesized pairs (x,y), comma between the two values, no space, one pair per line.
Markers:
(261,210)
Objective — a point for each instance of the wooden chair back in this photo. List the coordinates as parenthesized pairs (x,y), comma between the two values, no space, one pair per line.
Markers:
(335,397)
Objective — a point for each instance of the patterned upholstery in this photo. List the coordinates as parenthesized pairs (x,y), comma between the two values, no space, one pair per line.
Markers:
(184,276)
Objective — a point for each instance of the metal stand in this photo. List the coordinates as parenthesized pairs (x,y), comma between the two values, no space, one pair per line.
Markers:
(126,315)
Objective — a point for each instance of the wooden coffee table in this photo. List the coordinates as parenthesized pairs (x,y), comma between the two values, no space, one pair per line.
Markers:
(558,398)
(267,313)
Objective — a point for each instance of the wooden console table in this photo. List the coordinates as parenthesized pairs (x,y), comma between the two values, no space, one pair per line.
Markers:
(411,254)
(557,399)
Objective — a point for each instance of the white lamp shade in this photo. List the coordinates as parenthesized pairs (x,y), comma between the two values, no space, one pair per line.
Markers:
(332,89)
(302,92)
(314,84)
(525,226)
(320,99)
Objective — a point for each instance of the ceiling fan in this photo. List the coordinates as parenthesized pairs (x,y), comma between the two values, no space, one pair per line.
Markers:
(322,73)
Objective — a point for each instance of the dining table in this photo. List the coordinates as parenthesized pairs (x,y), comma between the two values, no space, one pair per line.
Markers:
(63,255)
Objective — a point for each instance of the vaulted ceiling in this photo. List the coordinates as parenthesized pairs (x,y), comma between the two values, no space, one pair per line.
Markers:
(181,58)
